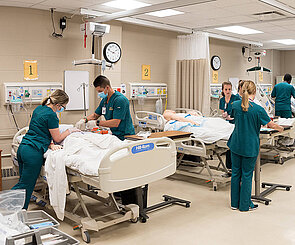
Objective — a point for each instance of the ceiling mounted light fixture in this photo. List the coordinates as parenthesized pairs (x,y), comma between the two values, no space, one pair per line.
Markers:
(126,4)
(165,13)
(239,30)
(285,41)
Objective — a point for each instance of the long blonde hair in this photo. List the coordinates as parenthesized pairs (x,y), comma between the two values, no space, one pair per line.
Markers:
(248,88)
(57,97)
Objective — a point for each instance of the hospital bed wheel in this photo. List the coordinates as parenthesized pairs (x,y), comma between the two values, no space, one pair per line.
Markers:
(287,188)
(143,220)
(187,205)
(86,236)
(134,220)
(263,185)
(215,188)
(266,203)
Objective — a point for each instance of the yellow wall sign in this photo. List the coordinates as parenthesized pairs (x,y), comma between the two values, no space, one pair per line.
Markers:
(215,77)
(146,72)
(260,76)
(30,70)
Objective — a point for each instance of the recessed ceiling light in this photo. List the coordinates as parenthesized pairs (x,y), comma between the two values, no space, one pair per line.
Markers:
(126,4)
(239,30)
(285,41)
(165,13)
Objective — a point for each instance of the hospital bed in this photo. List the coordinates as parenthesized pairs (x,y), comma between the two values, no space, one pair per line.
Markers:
(155,121)
(132,164)
(191,146)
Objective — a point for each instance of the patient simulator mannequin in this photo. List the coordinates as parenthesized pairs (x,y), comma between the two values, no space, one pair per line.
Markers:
(171,115)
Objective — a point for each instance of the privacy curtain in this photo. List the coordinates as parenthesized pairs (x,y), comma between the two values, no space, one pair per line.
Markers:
(192,72)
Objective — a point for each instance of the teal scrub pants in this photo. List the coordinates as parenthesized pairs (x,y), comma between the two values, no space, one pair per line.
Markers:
(241,181)
(283,114)
(30,161)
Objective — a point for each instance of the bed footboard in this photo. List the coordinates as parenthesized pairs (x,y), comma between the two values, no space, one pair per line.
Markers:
(137,163)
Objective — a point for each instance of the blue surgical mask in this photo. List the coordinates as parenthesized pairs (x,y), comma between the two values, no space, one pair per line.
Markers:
(102,95)
(61,110)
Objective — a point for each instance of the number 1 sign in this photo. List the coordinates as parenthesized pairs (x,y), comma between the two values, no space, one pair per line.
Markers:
(30,70)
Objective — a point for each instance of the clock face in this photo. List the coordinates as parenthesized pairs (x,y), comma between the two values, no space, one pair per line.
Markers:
(215,62)
(112,52)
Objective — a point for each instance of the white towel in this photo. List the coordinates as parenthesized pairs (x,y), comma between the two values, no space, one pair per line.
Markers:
(81,152)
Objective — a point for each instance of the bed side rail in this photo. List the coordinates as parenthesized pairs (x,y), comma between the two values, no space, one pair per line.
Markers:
(148,119)
(198,148)
(187,110)
(137,163)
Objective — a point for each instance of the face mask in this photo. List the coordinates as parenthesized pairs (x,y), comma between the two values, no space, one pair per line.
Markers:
(102,95)
(61,110)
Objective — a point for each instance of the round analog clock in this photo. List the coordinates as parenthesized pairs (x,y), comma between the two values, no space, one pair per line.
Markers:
(215,62)
(112,52)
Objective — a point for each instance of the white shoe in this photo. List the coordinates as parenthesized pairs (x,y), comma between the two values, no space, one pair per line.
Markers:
(233,208)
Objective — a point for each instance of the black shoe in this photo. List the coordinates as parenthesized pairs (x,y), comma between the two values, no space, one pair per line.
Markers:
(254,207)
(226,175)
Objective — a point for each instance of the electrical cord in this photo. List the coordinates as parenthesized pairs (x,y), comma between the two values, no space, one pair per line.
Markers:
(54,34)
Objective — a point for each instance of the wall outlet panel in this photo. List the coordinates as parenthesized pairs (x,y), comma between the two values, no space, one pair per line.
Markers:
(30,92)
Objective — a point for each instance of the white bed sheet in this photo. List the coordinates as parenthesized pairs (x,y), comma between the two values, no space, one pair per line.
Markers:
(211,129)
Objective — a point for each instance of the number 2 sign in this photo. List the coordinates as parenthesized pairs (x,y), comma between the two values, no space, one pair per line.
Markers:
(30,70)
(146,72)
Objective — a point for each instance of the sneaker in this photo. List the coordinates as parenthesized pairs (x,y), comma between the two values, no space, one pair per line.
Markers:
(255,206)
(233,208)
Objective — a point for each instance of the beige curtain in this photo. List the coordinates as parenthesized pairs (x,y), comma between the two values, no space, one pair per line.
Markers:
(193,89)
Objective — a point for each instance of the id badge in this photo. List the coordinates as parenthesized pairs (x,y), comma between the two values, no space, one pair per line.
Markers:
(103,110)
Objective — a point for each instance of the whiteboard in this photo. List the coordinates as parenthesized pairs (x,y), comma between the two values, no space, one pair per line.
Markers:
(74,81)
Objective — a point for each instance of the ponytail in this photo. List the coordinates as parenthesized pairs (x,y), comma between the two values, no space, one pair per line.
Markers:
(45,101)
(248,88)
(57,97)
(245,101)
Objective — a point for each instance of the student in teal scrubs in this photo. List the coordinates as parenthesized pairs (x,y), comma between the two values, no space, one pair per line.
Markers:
(244,145)
(225,106)
(44,127)
(225,103)
(282,93)
(114,106)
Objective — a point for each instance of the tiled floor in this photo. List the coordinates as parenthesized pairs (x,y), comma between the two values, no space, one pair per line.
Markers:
(209,220)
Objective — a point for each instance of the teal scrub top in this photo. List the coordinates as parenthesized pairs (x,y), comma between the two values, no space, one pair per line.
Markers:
(117,108)
(43,119)
(244,140)
(227,107)
(283,92)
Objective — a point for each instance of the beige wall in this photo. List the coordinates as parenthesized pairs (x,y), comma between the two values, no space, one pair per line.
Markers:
(233,64)
(288,62)
(28,36)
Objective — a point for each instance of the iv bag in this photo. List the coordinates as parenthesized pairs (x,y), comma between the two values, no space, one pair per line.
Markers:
(159,106)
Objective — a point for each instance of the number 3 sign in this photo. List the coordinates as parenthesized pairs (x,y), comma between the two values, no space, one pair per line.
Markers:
(146,72)
(30,70)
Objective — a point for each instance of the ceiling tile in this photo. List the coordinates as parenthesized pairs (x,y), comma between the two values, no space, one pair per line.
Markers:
(67,4)
(16,4)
